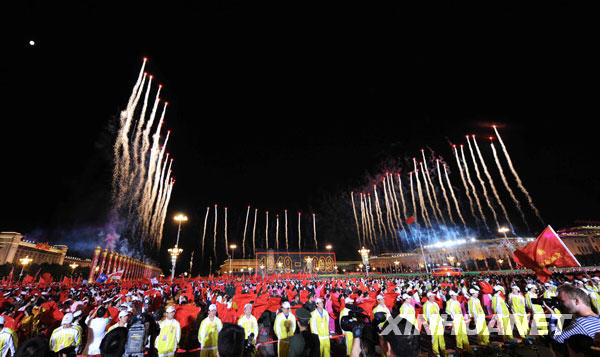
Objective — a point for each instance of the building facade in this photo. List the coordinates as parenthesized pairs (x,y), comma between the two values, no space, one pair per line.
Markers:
(13,247)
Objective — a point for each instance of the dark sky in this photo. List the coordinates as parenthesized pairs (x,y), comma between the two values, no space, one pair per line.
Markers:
(279,104)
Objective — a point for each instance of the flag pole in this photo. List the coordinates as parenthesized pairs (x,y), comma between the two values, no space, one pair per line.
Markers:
(564,246)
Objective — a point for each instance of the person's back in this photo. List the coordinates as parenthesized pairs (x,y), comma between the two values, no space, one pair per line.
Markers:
(96,332)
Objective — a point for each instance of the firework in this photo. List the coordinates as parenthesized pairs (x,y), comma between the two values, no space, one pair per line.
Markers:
(370,218)
(505,182)
(226,242)
(402,196)
(286,226)
(492,186)
(267,230)
(299,234)
(254,232)
(412,195)
(363,218)
(420,195)
(483,188)
(315,232)
(437,220)
(215,233)
(395,205)
(244,236)
(472,185)
(517,178)
(277,231)
(380,224)
(434,194)
(437,163)
(462,177)
(204,229)
(454,198)
(388,212)
(355,220)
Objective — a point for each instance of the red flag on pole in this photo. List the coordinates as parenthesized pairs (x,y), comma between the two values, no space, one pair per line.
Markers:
(10,276)
(410,220)
(546,251)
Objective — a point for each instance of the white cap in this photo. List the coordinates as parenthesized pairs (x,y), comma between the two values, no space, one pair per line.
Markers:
(77,313)
(285,305)
(530,286)
(380,297)
(405,296)
(473,291)
(318,300)
(171,308)
(515,287)
(498,288)
(546,284)
(348,300)
(2,320)
(585,280)
(248,305)
(212,307)
(429,293)
(125,313)
(452,293)
(596,278)
(67,319)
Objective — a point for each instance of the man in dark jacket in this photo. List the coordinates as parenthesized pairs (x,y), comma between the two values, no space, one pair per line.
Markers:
(304,343)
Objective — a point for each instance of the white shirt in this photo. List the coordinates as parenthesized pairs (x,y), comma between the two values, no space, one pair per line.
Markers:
(96,332)
(6,344)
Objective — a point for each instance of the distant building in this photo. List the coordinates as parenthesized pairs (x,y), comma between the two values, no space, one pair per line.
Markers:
(581,240)
(13,247)
(81,262)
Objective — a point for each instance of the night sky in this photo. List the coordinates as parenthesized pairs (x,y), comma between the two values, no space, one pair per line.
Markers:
(292,104)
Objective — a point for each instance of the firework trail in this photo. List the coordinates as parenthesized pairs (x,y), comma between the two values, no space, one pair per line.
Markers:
(514,172)
(402,196)
(226,242)
(215,233)
(204,229)
(510,191)
(367,223)
(424,213)
(124,128)
(380,224)
(254,232)
(435,215)
(462,177)
(244,236)
(464,161)
(267,230)
(363,219)
(299,234)
(370,216)
(160,204)
(393,213)
(277,231)
(454,198)
(437,163)
(437,205)
(489,177)
(164,213)
(286,226)
(355,220)
(315,232)
(151,185)
(388,214)
(478,174)
(412,195)
(396,206)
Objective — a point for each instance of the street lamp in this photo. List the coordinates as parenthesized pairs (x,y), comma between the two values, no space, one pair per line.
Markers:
(309,261)
(279,265)
(328,247)
(73,267)
(503,230)
(175,251)
(232,247)
(364,253)
(24,262)
(396,263)
(500,261)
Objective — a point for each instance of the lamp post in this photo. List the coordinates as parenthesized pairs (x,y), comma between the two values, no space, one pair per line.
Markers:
(309,261)
(503,230)
(396,263)
(280,265)
(232,247)
(329,247)
(24,262)
(364,253)
(73,267)
(175,251)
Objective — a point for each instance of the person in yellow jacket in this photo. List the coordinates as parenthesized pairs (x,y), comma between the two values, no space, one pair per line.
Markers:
(6,340)
(431,310)
(64,336)
(407,310)
(477,314)
(517,306)
(170,333)
(319,324)
(347,334)
(502,314)
(381,308)
(249,323)
(285,326)
(458,321)
(208,333)
(595,299)
(539,325)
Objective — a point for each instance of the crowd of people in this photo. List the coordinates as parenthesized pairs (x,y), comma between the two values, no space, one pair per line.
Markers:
(304,315)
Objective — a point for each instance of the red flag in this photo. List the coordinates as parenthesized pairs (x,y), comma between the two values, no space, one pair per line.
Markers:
(546,251)
(410,220)
(28,279)
(47,278)
(10,276)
